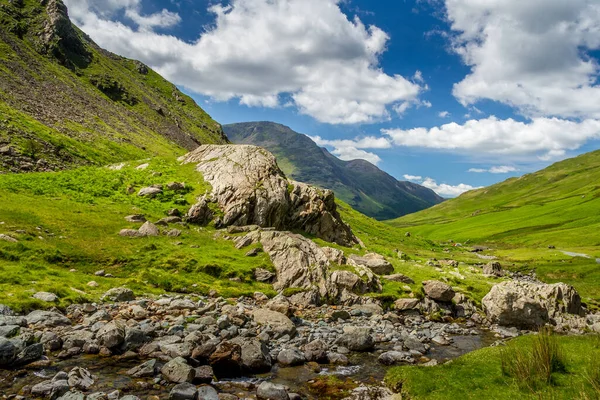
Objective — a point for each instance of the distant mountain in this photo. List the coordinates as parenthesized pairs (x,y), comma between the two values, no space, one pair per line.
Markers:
(359,183)
(64,101)
(557,206)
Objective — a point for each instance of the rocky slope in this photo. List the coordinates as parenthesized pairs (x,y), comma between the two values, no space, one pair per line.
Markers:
(64,101)
(359,183)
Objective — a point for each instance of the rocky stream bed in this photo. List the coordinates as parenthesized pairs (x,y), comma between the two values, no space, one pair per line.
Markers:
(212,348)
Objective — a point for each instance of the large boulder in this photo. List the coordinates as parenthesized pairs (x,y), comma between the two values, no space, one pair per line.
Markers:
(112,335)
(249,188)
(8,352)
(438,291)
(226,360)
(177,371)
(375,262)
(271,391)
(530,305)
(118,294)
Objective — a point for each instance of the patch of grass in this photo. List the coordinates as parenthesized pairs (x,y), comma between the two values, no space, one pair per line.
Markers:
(560,367)
(72,229)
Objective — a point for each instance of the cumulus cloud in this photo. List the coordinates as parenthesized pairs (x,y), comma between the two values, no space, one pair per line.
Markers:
(502,169)
(443,189)
(258,50)
(446,190)
(534,55)
(545,137)
(444,114)
(353,149)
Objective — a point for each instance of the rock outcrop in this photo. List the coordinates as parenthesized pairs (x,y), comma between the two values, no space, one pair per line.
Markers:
(530,305)
(301,264)
(249,188)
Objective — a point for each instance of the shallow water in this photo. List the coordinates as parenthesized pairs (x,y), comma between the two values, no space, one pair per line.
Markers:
(571,254)
(110,372)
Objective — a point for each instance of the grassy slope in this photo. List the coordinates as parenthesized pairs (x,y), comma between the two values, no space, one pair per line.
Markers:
(70,119)
(71,220)
(521,217)
(479,375)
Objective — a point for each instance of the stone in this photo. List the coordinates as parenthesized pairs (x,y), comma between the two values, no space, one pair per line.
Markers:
(316,351)
(364,392)
(183,391)
(290,357)
(337,358)
(176,186)
(207,393)
(139,218)
(530,305)
(46,297)
(8,331)
(8,352)
(29,354)
(255,355)
(493,268)
(149,229)
(250,189)
(149,192)
(226,360)
(438,291)
(50,389)
(356,338)
(375,262)
(93,284)
(130,233)
(177,371)
(398,278)
(270,391)
(406,304)
(174,233)
(48,319)
(72,396)
(395,357)
(7,238)
(112,335)
(145,370)
(118,294)
(203,374)
(280,324)
(6,310)
(253,253)
(80,378)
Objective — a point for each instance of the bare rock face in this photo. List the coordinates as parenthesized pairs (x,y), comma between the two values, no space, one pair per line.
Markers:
(249,188)
(530,305)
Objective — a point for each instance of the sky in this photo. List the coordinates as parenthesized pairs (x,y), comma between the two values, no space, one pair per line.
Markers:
(451,94)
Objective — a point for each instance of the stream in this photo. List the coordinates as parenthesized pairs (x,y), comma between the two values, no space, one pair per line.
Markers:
(110,372)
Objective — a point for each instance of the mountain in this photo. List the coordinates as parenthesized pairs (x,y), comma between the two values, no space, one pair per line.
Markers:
(555,206)
(66,101)
(359,183)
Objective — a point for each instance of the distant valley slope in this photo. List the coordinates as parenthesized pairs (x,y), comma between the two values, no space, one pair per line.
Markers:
(558,205)
(359,183)
(67,102)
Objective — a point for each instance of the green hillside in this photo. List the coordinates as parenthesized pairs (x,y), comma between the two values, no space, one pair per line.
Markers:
(358,182)
(556,206)
(65,101)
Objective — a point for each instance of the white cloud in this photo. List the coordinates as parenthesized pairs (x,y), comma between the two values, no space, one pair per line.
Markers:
(444,114)
(502,169)
(446,190)
(163,19)
(259,49)
(545,137)
(416,178)
(353,149)
(530,54)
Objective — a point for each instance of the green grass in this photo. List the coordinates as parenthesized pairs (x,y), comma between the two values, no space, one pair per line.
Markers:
(71,220)
(480,374)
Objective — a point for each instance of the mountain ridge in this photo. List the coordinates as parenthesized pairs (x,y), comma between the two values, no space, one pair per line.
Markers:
(358,182)
(69,102)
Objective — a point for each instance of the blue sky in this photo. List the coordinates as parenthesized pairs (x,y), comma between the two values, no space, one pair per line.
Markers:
(453,94)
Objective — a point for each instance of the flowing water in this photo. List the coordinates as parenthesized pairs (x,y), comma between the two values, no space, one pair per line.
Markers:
(110,372)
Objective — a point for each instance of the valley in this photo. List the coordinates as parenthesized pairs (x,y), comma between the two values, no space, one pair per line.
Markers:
(147,252)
